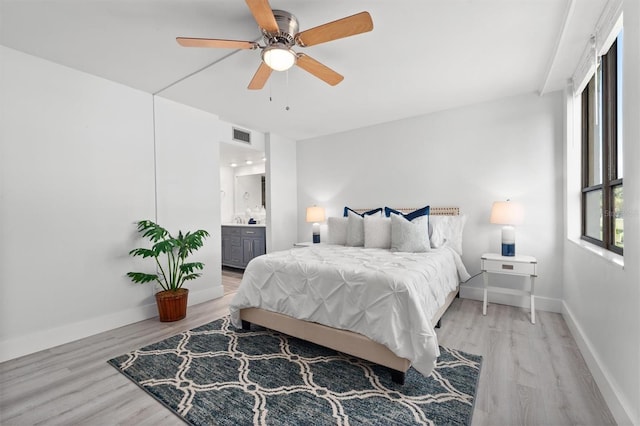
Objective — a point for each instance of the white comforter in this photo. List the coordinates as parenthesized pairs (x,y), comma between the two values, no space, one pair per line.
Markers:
(387,296)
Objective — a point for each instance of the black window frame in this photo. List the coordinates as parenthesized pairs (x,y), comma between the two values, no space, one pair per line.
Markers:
(609,178)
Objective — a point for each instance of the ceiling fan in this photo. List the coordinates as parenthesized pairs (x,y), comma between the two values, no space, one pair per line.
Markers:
(280,34)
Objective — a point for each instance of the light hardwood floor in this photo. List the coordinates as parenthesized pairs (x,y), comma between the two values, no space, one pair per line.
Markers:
(231,278)
(531,374)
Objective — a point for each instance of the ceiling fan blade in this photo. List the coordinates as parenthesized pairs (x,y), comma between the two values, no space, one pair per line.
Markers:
(260,77)
(213,42)
(345,27)
(321,71)
(262,13)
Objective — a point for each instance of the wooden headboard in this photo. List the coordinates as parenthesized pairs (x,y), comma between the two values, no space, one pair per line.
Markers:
(436,211)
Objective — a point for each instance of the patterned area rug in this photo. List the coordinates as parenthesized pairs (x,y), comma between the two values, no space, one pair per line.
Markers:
(216,374)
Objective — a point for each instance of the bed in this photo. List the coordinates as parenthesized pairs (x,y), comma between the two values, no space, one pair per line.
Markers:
(371,303)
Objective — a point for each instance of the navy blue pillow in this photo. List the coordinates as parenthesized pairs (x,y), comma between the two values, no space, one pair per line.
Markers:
(424,211)
(370,212)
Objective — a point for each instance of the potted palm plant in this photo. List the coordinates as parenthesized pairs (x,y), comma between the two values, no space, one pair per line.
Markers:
(170,254)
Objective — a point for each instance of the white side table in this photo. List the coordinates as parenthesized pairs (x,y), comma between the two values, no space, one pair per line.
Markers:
(492,263)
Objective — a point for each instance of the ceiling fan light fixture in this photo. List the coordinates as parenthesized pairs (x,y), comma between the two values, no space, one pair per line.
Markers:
(278,57)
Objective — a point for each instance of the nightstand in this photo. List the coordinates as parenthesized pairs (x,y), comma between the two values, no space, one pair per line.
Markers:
(492,263)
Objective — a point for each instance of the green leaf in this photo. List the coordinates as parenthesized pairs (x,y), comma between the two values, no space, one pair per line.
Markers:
(143,252)
(190,277)
(188,268)
(192,242)
(165,246)
(141,277)
(151,230)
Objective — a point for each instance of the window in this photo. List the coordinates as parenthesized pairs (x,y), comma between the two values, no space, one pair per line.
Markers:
(602,154)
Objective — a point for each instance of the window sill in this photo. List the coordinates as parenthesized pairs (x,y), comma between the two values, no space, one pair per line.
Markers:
(607,255)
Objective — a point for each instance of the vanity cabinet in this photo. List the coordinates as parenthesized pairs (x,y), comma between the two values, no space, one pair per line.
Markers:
(240,244)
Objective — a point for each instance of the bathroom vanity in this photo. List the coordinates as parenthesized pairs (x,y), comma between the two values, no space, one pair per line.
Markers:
(241,243)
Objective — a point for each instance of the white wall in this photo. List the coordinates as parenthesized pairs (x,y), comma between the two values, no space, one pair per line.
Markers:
(602,298)
(226,133)
(188,185)
(227,194)
(467,157)
(77,170)
(281,182)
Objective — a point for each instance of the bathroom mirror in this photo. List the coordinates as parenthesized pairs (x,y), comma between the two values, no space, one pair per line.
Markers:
(242,181)
(249,192)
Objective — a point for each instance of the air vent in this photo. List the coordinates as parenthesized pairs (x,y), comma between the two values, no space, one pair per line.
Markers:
(242,136)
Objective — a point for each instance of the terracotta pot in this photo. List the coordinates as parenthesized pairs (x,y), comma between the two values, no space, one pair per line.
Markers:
(172,305)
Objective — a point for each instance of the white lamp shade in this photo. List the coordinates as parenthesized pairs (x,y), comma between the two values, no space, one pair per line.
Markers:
(506,213)
(315,214)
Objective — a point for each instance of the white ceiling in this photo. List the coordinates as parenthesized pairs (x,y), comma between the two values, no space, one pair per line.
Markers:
(422,56)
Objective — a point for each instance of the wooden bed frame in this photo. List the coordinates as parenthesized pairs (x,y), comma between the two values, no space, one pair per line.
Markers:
(344,341)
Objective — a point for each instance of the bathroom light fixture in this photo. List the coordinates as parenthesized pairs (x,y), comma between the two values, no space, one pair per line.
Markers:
(278,57)
(233,165)
(507,213)
(248,162)
(315,215)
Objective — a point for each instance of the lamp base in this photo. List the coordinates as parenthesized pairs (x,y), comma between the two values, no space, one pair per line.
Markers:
(315,231)
(508,249)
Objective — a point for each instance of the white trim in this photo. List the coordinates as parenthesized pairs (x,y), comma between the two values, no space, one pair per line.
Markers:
(606,30)
(605,254)
(565,23)
(584,70)
(620,408)
(51,337)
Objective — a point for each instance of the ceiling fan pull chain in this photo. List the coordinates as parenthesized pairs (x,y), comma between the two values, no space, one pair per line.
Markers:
(286,93)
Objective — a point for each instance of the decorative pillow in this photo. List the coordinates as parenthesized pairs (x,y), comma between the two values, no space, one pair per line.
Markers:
(337,227)
(409,236)
(355,230)
(424,211)
(377,232)
(377,212)
(447,230)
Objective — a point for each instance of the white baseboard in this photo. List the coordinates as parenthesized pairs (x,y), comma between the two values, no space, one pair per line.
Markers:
(206,294)
(542,303)
(49,338)
(620,410)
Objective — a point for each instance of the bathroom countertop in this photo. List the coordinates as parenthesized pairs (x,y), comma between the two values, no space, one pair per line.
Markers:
(245,224)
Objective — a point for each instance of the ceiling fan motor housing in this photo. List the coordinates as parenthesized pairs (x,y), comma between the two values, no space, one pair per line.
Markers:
(287,26)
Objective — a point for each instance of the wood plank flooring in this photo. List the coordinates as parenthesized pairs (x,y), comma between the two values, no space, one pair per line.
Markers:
(531,374)
(231,278)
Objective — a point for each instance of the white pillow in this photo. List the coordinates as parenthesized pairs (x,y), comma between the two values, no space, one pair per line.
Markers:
(355,227)
(410,236)
(355,230)
(377,232)
(448,230)
(337,227)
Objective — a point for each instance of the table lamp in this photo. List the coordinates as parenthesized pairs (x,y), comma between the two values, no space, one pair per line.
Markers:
(315,215)
(507,213)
